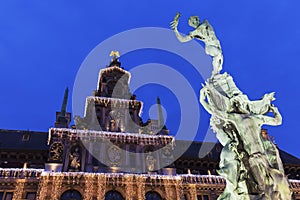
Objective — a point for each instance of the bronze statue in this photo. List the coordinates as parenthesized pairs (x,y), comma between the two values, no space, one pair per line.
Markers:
(250,164)
(204,32)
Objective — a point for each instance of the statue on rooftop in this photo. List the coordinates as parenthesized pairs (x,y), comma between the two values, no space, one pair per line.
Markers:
(115,55)
(250,164)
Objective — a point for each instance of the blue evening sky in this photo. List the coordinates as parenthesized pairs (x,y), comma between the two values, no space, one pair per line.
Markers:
(43,43)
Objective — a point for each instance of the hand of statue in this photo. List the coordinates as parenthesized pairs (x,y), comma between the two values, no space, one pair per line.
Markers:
(204,92)
(270,96)
(207,92)
(273,108)
(174,23)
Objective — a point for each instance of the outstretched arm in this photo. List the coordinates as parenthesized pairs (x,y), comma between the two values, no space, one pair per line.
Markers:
(174,25)
(273,121)
(203,94)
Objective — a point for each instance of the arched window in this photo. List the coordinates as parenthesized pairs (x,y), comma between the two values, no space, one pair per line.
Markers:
(71,195)
(113,195)
(153,196)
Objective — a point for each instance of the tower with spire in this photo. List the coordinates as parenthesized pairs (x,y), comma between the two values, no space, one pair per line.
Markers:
(63,118)
(110,129)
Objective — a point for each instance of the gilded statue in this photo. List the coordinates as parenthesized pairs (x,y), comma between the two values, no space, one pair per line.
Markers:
(75,160)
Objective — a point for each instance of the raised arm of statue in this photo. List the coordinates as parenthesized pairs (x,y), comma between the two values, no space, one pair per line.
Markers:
(204,32)
(174,25)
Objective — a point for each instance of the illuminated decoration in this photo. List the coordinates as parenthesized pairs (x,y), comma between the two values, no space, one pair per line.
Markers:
(55,151)
(140,184)
(74,134)
(114,54)
(114,154)
(19,189)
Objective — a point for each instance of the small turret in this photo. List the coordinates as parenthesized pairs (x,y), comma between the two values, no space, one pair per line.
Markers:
(161,120)
(160,114)
(62,117)
(64,104)
(113,81)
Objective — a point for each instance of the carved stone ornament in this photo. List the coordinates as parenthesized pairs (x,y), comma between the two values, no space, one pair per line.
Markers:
(55,151)
(114,154)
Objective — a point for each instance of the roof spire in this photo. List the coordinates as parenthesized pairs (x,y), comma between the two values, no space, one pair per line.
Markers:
(115,59)
(160,114)
(115,55)
(64,104)
(61,117)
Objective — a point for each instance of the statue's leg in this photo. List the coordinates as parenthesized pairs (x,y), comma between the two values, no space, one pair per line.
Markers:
(281,190)
(230,170)
(217,56)
(259,166)
(217,63)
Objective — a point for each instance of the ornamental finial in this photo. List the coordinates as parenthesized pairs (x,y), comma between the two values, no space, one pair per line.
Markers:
(115,55)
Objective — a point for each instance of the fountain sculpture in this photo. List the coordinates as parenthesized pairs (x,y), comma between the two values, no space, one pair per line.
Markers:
(250,163)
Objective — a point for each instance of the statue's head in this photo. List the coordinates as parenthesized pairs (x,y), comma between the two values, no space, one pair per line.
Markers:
(194,21)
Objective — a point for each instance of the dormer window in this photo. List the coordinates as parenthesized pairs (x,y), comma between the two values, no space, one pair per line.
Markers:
(26,137)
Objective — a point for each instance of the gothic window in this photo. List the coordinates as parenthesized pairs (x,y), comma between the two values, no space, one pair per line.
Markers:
(26,137)
(205,197)
(185,197)
(8,196)
(30,195)
(111,87)
(71,195)
(110,120)
(153,196)
(113,195)
(202,197)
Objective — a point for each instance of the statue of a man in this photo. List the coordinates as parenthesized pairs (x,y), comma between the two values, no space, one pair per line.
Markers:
(150,162)
(204,32)
(237,122)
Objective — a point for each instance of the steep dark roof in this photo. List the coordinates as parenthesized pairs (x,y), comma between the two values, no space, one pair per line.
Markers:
(208,150)
(198,150)
(288,158)
(13,139)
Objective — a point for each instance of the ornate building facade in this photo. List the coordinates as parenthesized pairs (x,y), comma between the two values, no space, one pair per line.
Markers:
(112,154)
